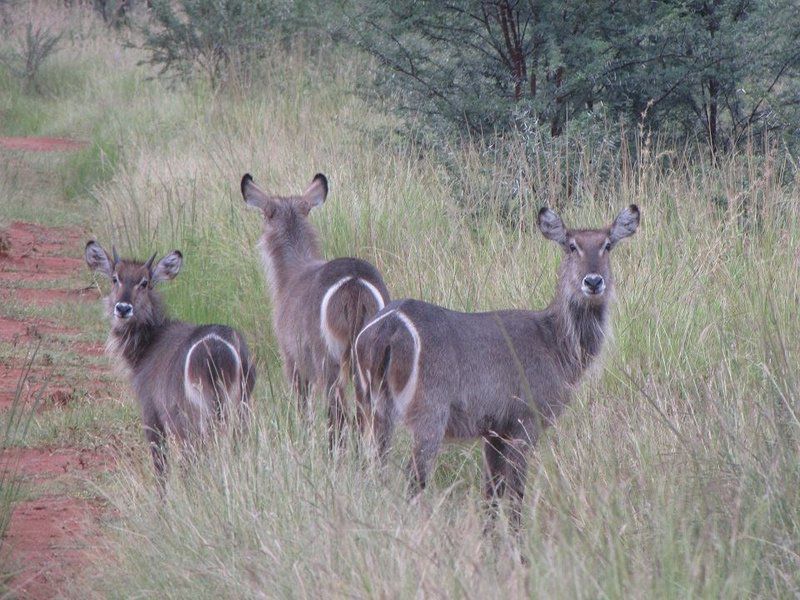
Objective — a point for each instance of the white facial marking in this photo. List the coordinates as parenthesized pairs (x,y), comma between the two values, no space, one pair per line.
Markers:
(119,307)
(194,390)
(355,345)
(335,346)
(590,293)
(587,291)
(404,397)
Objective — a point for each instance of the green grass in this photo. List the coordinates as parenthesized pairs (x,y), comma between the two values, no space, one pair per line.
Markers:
(85,422)
(675,472)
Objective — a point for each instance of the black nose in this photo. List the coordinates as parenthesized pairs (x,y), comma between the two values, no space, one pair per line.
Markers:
(593,282)
(123,309)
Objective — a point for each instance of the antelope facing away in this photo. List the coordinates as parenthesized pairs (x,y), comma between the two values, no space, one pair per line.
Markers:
(319,306)
(500,376)
(186,377)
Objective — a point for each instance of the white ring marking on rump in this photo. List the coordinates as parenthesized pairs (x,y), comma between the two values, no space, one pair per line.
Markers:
(403,398)
(355,345)
(335,347)
(375,292)
(194,394)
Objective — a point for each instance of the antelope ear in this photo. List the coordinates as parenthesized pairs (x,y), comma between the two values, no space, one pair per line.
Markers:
(625,224)
(98,259)
(552,227)
(315,194)
(256,197)
(168,267)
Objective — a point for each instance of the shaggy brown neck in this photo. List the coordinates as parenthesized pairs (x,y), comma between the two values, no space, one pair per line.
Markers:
(580,331)
(135,339)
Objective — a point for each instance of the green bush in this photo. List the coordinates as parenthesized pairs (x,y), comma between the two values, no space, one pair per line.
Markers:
(32,50)
(720,70)
(219,39)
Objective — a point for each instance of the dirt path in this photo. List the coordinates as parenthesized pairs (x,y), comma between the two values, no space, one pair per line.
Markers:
(51,527)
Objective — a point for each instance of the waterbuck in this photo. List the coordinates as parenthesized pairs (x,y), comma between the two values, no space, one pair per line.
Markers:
(501,375)
(186,377)
(318,306)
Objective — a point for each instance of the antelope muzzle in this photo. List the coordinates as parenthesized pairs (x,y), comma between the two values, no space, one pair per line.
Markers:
(123,310)
(593,285)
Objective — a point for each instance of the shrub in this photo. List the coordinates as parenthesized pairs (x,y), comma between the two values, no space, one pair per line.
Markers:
(25,61)
(220,39)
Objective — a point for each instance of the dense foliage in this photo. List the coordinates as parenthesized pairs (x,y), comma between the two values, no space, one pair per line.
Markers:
(722,70)
(220,39)
(719,68)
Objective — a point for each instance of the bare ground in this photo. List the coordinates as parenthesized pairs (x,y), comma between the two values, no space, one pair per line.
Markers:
(49,534)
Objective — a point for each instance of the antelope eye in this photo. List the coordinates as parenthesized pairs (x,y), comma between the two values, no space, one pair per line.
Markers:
(114,279)
(143,283)
(608,246)
(572,247)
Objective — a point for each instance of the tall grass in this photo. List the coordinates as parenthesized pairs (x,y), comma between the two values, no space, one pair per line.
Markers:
(675,472)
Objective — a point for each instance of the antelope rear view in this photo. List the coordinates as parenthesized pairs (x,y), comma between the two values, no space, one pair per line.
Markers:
(500,376)
(318,306)
(186,377)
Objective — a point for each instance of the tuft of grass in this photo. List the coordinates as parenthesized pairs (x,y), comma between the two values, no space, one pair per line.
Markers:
(88,167)
(88,421)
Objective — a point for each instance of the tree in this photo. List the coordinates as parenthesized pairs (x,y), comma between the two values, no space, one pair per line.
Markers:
(721,68)
(218,38)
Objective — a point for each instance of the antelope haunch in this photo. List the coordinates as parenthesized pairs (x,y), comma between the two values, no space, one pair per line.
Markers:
(318,306)
(498,375)
(186,377)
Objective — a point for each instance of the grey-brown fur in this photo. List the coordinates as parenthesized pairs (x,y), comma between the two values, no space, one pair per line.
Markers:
(178,397)
(500,376)
(299,280)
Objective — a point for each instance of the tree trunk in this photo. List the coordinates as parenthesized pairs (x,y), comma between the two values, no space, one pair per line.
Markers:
(713,98)
(557,122)
(509,25)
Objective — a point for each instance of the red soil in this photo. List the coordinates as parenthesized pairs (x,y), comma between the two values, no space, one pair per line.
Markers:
(40,144)
(34,253)
(89,348)
(48,537)
(38,463)
(14,332)
(35,386)
(48,297)
(49,389)
(47,394)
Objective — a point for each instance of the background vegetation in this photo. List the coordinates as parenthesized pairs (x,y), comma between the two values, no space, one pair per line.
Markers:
(704,68)
(676,471)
